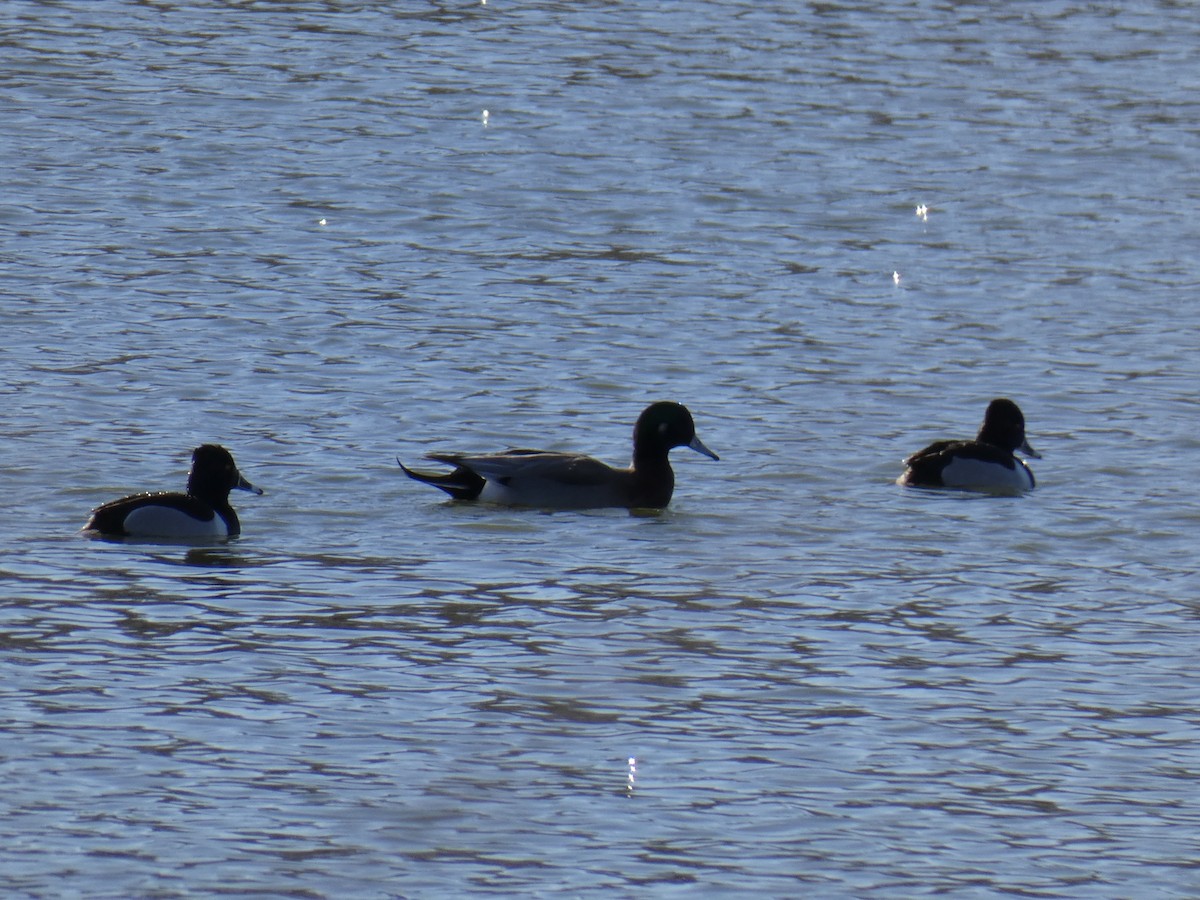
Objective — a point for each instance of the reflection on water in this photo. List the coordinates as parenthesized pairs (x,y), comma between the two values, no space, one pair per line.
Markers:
(295,232)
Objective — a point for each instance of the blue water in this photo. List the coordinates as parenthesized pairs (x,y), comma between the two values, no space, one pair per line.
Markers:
(293,230)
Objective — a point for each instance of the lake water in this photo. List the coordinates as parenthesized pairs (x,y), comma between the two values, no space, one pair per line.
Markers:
(329,234)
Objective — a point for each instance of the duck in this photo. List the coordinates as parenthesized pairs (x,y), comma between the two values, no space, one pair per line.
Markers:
(553,480)
(986,464)
(202,512)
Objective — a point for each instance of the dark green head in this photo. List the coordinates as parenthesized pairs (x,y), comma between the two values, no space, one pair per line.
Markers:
(665,425)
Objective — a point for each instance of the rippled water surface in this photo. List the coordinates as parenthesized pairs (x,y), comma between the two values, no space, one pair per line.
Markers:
(329,234)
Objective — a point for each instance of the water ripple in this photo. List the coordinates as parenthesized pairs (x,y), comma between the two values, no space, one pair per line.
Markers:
(295,232)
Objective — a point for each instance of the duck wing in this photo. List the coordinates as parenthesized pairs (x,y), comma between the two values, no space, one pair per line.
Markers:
(515,467)
(110,518)
(932,452)
(967,465)
(979,450)
(539,478)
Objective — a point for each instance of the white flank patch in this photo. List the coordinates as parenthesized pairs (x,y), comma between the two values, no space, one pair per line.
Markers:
(498,493)
(163,521)
(978,475)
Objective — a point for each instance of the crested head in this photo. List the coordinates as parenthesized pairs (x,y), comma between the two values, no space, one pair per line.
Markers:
(211,454)
(1003,408)
(1004,426)
(214,473)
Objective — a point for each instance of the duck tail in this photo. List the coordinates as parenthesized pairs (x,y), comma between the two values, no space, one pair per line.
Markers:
(461,484)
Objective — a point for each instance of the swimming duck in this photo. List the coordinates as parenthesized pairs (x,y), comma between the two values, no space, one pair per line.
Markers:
(985,464)
(547,479)
(203,511)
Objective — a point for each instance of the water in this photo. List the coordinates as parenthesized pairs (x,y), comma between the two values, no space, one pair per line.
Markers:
(291,229)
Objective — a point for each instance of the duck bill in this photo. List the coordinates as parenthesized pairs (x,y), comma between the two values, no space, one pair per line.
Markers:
(698,446)
(244,485)
(1029,451)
